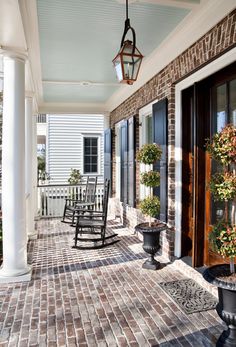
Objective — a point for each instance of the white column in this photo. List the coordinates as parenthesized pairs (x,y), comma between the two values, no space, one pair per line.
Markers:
(14,267)
(31,232)
(34,169)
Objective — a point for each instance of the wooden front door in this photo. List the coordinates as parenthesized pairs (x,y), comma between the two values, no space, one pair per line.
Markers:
(206,107)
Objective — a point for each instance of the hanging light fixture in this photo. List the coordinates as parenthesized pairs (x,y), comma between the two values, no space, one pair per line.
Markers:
(128,60)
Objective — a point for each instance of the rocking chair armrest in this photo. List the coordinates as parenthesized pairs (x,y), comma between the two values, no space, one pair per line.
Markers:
(90,213)
(75,200)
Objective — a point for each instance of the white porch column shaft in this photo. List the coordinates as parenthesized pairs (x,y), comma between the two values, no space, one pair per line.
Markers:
(29,166)
(13,170)
(34,168)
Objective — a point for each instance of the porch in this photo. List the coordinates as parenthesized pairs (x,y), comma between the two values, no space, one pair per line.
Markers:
(97,297)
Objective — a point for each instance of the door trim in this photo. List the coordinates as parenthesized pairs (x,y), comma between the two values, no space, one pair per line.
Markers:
(206,71)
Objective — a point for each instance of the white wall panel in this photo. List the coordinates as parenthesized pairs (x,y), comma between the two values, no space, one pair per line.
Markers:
(65,144)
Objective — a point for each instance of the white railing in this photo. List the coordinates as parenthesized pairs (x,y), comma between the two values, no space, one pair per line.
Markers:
(51,198)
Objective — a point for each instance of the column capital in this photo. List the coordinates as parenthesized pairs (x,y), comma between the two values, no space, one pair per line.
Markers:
(13,53)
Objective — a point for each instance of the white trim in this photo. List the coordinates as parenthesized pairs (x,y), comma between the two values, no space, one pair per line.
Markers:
(98,137)
(144,112)
(206,71)
(190,30)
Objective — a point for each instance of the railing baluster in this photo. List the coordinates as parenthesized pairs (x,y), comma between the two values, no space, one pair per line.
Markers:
(51,198)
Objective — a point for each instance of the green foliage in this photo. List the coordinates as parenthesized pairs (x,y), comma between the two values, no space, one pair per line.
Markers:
(42,174)
(41,163)
(149,153)
(223,186)
(150,178)
(75,177)
(150,206)
(222,147)
(223,239)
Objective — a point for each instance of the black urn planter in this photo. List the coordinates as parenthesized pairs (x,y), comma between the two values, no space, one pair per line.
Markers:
(226,307)
(151,242)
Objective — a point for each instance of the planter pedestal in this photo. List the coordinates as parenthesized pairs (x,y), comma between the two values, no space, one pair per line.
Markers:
(151,242)
(226,308)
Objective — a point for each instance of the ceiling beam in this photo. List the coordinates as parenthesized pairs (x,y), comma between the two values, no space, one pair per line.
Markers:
(81,83)
(172,3)
(69,108)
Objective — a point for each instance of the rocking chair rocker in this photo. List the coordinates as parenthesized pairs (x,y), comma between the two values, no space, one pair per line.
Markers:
(90,222)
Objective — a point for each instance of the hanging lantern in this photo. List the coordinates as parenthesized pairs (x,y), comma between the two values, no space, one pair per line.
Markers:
(128,60)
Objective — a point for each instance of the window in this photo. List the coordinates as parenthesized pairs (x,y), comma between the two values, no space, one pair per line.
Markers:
(146,136)
(90,155)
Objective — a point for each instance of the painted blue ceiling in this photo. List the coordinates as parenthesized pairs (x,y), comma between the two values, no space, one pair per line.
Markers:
(79,39)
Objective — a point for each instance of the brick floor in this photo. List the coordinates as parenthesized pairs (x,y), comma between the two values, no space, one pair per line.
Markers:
(97,298)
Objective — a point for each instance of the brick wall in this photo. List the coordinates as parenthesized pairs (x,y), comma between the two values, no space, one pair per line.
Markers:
(214,43)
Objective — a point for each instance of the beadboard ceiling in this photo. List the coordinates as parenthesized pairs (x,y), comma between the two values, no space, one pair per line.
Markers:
(68,45)
(79,38)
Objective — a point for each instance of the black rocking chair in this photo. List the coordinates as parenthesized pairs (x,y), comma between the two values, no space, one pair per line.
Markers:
(90,223)
(72,206)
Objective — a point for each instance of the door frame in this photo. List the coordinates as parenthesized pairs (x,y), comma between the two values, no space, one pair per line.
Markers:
(214,66)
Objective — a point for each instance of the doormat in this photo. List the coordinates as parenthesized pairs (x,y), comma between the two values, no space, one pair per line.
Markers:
(189,296)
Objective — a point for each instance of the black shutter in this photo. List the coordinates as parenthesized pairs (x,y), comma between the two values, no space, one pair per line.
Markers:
(124,161)
(131,162)
(107,156)
(160,137)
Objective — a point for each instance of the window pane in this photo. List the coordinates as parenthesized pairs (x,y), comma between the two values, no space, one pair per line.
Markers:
(94,142)
(232,102)
(149,130)
(86,141)
(94,150)
(87,150)
(221,107)
(86,168)
(87,159)
(94,160)
(94,168)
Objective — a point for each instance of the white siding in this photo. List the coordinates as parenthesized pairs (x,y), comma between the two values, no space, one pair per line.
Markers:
(65,144)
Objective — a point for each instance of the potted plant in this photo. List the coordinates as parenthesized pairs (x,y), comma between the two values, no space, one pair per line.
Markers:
(74,179)
(222,238)
(43,176)
(150,206)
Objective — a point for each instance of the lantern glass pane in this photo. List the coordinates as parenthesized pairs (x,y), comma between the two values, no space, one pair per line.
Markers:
(118,67)
(131,66)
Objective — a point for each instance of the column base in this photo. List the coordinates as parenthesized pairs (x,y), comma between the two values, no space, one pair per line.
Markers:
(20,276)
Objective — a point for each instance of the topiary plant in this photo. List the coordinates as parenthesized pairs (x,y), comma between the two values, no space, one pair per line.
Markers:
(222,185)
(149,154)
(223,239)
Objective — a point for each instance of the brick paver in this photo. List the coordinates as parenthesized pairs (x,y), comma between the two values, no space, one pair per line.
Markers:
(97,298)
